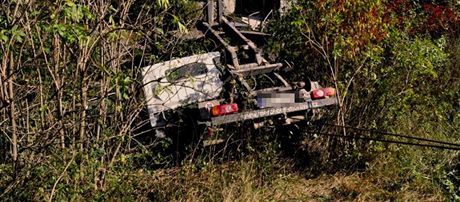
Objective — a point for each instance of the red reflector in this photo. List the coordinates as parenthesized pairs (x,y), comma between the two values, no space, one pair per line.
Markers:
(329,92)
(316,94)
(224,109)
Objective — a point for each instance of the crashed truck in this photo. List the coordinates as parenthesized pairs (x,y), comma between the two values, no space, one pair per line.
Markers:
(221,88)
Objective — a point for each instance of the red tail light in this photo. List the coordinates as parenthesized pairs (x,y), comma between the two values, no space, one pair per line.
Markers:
(329,92)
(220,110)
(317,94)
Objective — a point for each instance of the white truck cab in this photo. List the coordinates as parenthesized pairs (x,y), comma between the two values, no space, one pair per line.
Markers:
(171,84)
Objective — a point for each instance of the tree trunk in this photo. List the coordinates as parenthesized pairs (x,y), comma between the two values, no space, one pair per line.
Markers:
(14,137)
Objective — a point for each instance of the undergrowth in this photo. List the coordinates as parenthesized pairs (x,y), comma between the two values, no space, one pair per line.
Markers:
(74,126)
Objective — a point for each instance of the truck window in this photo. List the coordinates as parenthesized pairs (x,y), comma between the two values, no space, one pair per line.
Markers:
(186,71)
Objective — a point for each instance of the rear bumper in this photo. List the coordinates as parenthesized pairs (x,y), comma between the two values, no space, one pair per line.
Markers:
(261,113)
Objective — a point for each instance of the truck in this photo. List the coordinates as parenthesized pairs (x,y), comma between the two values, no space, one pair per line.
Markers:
(221,88)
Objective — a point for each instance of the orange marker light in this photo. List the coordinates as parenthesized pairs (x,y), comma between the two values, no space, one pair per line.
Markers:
(215,111)
(329,92)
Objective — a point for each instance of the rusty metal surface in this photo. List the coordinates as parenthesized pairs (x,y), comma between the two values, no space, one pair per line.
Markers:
(228,47)
(248,42)
(261,113)
(252,71)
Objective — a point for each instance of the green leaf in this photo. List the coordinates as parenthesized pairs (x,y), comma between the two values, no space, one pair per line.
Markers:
(181,26)
(3,36)
(125,95)
(159,31)
(17,34)
(69,3)
(164,4)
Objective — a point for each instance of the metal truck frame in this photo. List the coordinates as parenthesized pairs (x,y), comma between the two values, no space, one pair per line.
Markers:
(199,82)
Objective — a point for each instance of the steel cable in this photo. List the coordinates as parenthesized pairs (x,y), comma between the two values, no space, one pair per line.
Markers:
(395,135)
(437,144)
(387,141)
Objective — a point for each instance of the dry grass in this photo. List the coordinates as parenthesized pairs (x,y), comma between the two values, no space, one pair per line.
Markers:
(244,181)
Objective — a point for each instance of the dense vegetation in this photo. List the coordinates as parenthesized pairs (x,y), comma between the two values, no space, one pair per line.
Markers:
(396,65)
(73,118)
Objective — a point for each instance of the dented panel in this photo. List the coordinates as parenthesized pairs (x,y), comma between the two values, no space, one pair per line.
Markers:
(175,83)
